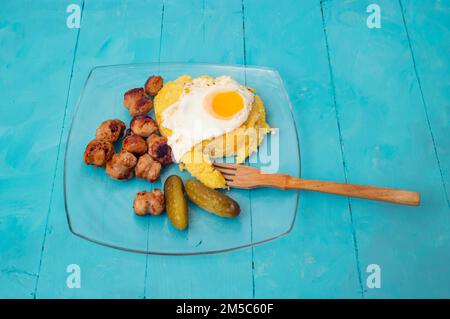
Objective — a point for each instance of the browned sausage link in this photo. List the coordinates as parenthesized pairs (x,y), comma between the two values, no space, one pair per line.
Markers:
(121,165)
(98,152)
(137,102)
(143,125)
(141,107)
(132,96)
(147,168)
(149,202)
(140,204)
(153,84)
(156,202)
(134,144)
(159,150)
(110,130)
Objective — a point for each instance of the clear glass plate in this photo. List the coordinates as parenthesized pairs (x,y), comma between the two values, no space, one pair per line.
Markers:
(99,208)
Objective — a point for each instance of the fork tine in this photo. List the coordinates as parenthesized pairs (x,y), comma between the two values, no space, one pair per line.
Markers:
(227,175)
(226,166)
(232,184)
(227,178)
(226,171)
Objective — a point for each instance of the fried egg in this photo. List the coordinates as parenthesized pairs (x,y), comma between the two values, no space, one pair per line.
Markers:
(207,108)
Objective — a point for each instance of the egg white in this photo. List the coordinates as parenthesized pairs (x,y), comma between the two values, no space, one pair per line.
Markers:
(191,123)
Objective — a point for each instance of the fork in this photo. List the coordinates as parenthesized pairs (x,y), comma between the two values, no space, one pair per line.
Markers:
(247,177)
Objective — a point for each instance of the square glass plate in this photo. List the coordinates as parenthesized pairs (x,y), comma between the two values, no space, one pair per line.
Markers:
(99,208)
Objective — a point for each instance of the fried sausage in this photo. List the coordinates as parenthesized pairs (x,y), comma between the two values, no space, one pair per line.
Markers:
(110,130)
(149,202)
(98,152)
(134,144)
(132,96)
(158,149)
(143,125)
(153,85)
(147,168)
(137,102)
(121,165)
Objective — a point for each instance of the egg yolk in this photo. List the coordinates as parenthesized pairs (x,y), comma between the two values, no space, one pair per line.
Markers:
(226,104)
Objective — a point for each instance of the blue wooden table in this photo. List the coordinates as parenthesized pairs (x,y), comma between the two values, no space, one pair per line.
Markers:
(372,106)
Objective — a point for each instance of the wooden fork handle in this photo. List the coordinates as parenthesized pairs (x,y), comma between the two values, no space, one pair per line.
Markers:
(390,195)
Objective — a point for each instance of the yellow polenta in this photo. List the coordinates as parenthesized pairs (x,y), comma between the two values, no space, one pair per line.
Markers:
(239,143)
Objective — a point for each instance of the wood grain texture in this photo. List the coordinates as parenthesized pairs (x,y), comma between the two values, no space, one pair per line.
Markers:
(33,84)
(386,140)
(112,32)
(384,194)
(246,177)
(201,31)
(428,31)
(317,259)
(371,106)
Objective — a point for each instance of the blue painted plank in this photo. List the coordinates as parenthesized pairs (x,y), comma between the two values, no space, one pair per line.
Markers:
(35,67)
(386,141)
(201,31)
(428,29)
(112,32)
(317,259)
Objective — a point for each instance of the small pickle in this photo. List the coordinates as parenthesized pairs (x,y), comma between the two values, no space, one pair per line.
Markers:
(176,204)
(212,200)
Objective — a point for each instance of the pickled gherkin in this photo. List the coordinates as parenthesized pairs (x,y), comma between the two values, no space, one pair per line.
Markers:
(176,204)
(211,200)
